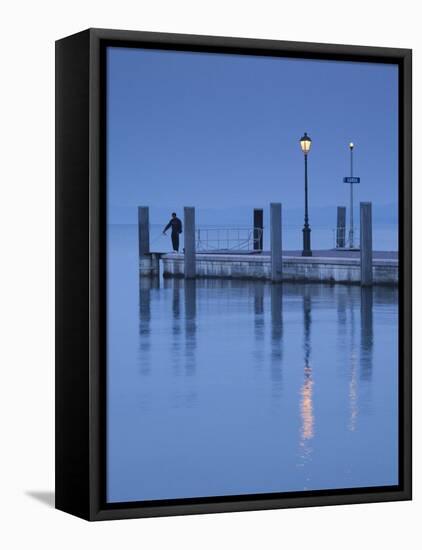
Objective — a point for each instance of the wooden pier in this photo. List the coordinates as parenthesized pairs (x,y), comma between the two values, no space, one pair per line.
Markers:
(325,266)
(340,265)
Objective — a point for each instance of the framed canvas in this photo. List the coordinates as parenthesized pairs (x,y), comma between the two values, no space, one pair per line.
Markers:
(233,276)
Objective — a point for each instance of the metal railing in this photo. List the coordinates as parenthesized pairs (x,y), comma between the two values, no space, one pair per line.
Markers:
(233,239)
(341,239)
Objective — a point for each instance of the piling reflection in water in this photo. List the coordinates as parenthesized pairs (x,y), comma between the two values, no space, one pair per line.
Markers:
(176,329)
(190,325)
(259,323)
(258,289)
(276,338)
(366,332)
(213,385)
(145,286)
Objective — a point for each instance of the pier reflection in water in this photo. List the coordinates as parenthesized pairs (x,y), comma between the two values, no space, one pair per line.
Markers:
(228,387)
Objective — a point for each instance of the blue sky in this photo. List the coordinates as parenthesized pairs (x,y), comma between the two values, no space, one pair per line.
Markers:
(221,132)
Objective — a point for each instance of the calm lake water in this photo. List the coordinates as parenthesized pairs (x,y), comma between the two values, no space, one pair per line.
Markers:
(228,387)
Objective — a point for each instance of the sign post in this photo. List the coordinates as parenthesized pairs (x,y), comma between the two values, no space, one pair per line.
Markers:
(352,180)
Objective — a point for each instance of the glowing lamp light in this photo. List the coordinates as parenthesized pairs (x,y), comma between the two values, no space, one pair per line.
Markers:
(305,143)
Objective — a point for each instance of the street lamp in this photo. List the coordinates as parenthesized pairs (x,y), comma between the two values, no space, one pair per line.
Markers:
(353,180)
(352,229)
(305,144)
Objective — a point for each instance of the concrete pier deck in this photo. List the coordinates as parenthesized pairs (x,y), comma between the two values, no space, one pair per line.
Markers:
(328,266)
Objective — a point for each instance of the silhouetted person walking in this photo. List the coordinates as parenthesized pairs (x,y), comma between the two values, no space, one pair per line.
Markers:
(176,229)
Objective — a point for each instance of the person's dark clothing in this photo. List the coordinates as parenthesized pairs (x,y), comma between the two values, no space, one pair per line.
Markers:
(175,241)
(176,229)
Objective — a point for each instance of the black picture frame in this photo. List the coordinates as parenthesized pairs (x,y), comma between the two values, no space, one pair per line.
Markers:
(80,273)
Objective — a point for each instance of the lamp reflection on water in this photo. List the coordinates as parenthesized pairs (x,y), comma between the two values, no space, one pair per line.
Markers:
(353,383)
(306,391)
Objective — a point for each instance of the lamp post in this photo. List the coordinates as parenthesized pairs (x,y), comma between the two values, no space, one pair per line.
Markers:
(352,180)
(352,228)
(305,144)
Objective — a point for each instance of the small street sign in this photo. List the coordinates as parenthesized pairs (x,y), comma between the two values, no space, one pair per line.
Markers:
(351,179)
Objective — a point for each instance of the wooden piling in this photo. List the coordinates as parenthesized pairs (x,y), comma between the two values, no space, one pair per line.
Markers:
(276,246)
(143,242)
(258,229)
(341,227)
(190,252)
(366,244)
